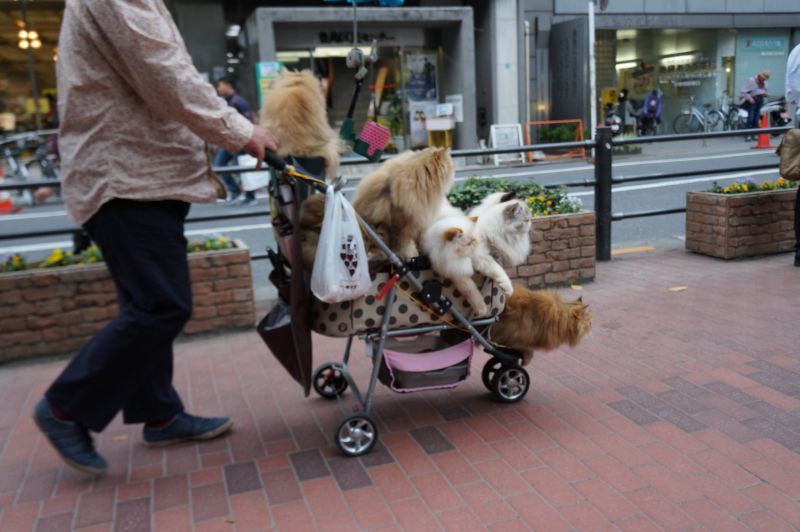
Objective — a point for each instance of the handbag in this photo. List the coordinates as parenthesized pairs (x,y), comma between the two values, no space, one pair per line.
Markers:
(341,271)
(252,180)
(789,152)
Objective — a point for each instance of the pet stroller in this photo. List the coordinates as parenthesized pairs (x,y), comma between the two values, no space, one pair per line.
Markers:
(418,328)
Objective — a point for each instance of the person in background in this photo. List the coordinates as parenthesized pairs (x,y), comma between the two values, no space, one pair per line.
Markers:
(793,104)
(135,119)
(227,89)
(753,93)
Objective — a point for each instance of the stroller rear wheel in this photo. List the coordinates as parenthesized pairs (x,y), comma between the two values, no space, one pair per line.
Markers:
(356,434)
(329,382)
(510,383)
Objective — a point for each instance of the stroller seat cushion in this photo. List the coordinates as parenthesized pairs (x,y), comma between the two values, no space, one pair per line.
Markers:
(366,313)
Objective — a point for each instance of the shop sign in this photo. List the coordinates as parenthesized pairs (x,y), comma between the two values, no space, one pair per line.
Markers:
(764,46)
(289,38)
(346,37)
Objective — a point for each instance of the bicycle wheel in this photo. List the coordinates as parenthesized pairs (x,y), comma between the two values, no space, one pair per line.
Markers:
(686,123)
(715,121)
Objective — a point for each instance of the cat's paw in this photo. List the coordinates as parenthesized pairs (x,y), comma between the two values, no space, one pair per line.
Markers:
(527,356)
(481,309)
(507,287)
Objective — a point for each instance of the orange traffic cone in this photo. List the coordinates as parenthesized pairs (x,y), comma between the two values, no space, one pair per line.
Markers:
(763,138)
(6,205)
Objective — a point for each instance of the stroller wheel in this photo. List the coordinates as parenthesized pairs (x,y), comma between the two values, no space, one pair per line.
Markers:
(329,381)
(489,369)
(510,383)
(356,434)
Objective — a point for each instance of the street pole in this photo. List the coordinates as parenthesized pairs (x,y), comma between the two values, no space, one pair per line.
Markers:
(32,72)
(602,194)
(527,73)
(592,77)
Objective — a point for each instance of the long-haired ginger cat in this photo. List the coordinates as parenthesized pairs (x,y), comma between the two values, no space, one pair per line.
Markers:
(294,111)
(403,197)
(540,320)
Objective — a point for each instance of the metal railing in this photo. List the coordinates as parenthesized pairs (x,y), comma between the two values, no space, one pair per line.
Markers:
(602,183)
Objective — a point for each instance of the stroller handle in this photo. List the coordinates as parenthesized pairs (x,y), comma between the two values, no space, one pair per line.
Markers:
(272,159)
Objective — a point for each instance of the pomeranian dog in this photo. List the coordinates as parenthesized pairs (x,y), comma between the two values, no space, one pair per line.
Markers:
(403,197)
(294,111)
(540,320)
(309,225)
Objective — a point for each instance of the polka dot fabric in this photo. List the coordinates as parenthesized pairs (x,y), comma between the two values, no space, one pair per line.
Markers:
(366,313)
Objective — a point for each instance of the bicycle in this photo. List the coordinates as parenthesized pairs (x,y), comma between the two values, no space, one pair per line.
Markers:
(13,147)
(694,120)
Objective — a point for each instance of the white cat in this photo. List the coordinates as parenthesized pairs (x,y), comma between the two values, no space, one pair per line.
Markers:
(505,224)
(457,252)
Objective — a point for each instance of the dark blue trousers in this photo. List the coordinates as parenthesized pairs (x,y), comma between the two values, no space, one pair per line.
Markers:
(128,365)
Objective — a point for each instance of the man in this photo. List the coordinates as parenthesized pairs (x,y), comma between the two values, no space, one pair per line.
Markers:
(793,104)
(753,93)
(133,113)
(227,89)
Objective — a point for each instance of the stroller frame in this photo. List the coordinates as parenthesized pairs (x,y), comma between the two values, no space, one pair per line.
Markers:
(357,432)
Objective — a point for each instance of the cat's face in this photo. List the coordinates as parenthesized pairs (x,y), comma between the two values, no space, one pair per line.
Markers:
(460,240)
(517,216)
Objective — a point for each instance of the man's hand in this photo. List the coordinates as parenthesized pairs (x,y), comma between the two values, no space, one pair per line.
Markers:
(260,140)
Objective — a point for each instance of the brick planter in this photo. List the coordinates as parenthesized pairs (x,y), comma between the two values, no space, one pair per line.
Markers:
(729,226)
(54,311)
(562,251)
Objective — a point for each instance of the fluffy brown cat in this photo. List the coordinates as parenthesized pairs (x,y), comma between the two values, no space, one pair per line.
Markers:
(540,320)
(312,213)
(294,111)
(403,197)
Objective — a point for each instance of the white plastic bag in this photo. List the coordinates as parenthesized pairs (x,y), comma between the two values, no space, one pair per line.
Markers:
(341,272)
(252,180)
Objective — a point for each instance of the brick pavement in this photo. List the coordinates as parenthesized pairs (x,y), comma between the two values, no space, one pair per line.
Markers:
(681,411)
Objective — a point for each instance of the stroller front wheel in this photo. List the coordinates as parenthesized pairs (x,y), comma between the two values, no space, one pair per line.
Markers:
(329,382)
(356,434)
(510,383)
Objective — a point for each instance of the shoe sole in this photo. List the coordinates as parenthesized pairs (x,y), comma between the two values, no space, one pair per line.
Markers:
(75,465)
(210,435)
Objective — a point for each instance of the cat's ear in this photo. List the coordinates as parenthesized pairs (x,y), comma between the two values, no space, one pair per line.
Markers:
(451,233)
(577,312)
(508,196)
(474,219)
(580,299)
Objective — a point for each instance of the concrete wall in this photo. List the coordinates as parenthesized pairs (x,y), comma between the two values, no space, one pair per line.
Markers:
(202,25)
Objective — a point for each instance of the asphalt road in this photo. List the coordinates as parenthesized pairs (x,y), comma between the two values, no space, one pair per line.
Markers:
(727,157)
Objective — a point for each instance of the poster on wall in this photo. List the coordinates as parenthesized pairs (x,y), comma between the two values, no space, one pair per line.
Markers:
(758,50)
(266,76)
(418,113)
(421,94)
(421,74)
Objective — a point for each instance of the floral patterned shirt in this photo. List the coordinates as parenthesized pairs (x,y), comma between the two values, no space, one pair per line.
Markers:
(134,110)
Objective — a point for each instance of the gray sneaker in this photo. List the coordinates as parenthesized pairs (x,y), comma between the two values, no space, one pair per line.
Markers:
(70,440)
(186,427)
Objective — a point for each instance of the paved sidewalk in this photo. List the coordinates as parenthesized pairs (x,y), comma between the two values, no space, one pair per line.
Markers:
(680,411)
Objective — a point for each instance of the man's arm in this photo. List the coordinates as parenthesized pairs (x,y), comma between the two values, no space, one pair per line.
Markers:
(154,62)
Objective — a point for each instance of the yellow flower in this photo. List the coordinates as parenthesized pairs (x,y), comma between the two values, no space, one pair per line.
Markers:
(549,203)
(745,187)
(16,260)
(540,198)
(726,190)
(734,186)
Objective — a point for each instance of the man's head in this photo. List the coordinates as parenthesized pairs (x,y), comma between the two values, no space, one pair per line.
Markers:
(226,87)
(764,74)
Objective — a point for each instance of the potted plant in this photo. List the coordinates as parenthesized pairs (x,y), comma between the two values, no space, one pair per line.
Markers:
(55,305)
(742,219)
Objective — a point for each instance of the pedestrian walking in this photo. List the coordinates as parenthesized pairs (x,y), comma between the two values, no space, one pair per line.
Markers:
(226,88)
(753,93)
(134,117)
